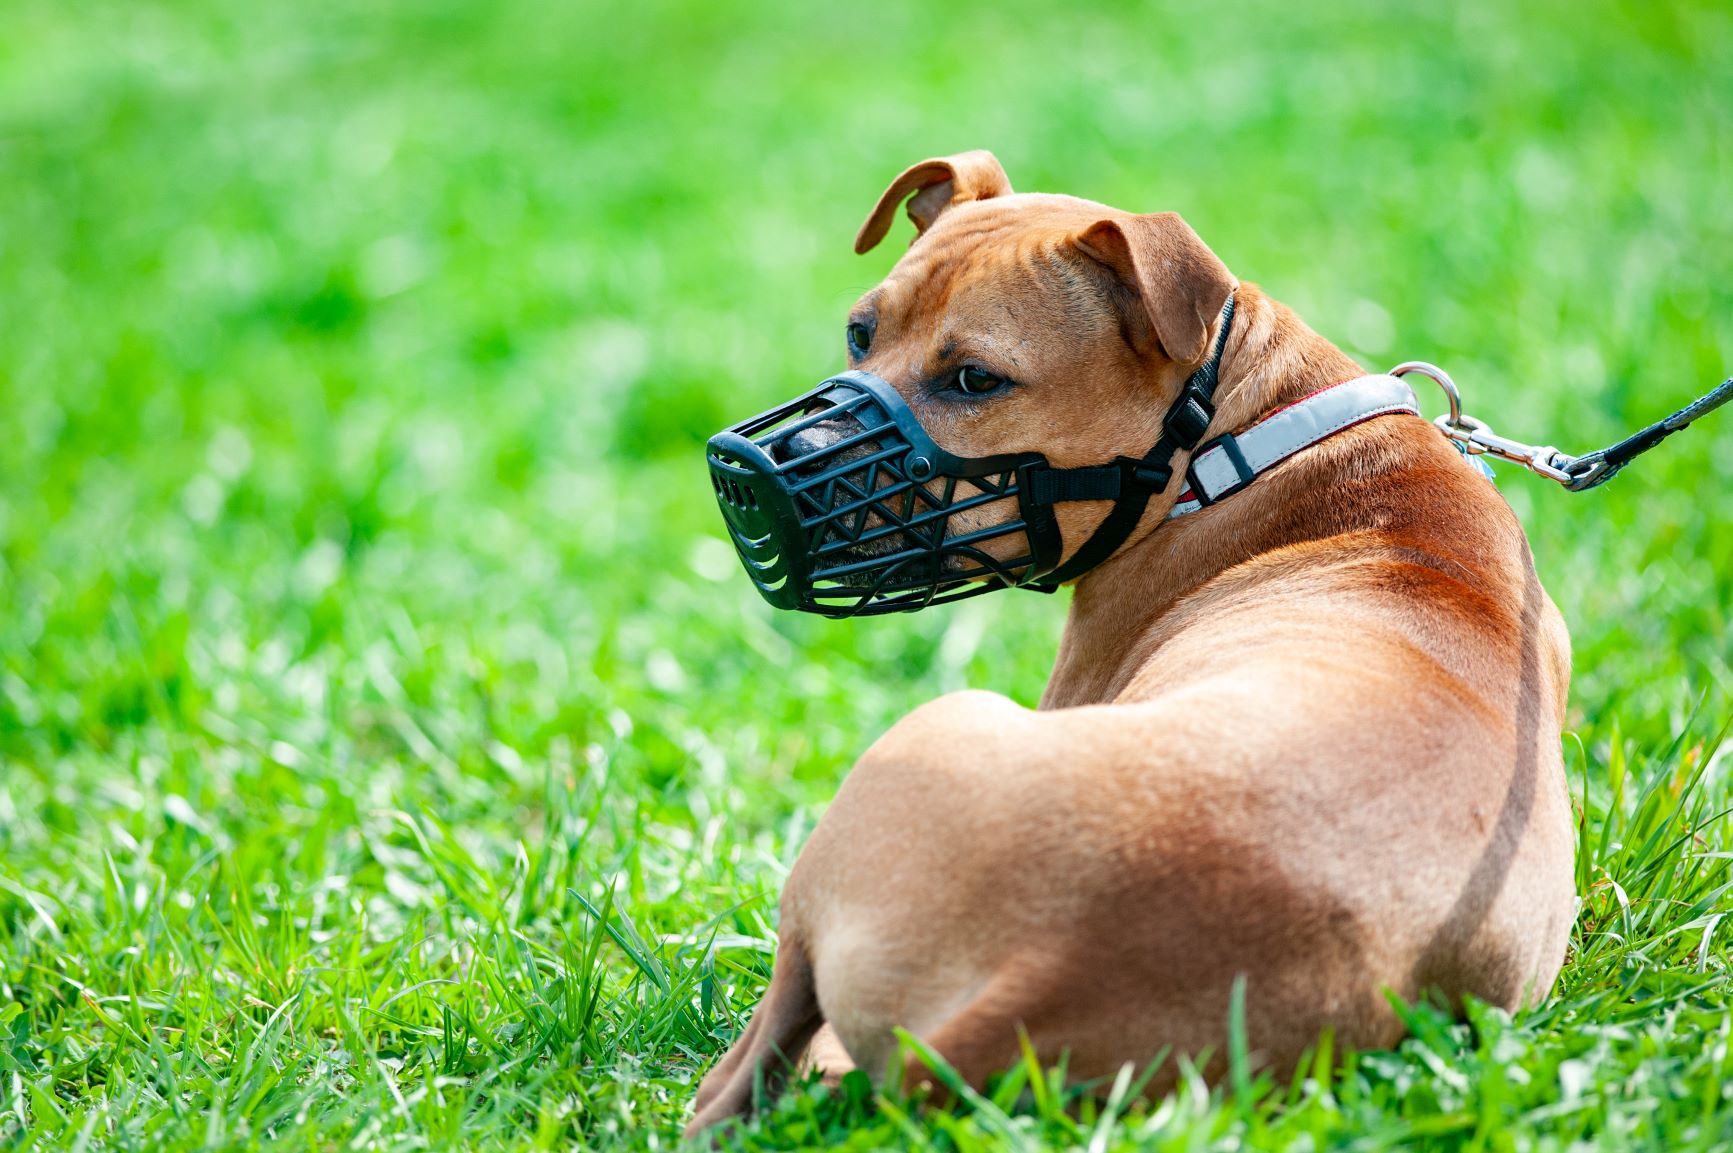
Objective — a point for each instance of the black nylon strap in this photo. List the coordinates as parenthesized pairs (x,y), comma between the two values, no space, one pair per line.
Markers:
(1183,426)
(1597,468)
(1112,531)
(1053,485)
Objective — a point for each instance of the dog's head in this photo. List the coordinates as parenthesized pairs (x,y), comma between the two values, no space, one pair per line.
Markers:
(1034,323)
(1020,337)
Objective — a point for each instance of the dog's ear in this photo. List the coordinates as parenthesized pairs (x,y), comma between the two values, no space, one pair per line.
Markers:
(1176,285)
(936,184)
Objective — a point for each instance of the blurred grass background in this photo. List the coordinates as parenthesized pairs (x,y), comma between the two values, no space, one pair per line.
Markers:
(364,607)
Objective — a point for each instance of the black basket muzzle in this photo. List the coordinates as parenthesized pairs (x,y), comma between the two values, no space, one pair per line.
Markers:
(840,503)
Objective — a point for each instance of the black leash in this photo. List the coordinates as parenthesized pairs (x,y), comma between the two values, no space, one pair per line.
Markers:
(1575,473)
(1597,468)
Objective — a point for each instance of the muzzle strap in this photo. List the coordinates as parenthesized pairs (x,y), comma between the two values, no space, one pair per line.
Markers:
(1054,485)
(1130,481)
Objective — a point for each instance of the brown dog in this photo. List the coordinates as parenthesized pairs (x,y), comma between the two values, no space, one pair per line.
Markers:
(1309,735)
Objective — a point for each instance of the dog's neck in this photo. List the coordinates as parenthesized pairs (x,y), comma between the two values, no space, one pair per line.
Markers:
(1271,359)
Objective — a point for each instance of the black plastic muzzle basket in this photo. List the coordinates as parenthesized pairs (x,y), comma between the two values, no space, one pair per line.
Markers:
(839,503)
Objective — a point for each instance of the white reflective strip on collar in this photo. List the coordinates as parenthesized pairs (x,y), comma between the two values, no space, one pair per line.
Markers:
(1227,464)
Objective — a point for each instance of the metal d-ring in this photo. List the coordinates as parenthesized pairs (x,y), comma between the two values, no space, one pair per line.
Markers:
(1439,377)
(1476,437)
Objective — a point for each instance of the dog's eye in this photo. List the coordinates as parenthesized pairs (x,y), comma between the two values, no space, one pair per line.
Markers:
(974,381)
(860,338)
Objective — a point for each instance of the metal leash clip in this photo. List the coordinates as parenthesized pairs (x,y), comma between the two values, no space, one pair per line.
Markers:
(1576,473)
(1476,437)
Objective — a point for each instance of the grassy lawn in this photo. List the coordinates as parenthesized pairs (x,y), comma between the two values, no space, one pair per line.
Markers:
(391,754)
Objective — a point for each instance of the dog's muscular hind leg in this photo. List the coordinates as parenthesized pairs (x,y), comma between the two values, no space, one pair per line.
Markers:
(826,1057)
(984,1036)
(778,1033)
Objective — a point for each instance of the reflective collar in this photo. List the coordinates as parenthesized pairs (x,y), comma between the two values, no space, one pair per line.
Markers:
(1227,464)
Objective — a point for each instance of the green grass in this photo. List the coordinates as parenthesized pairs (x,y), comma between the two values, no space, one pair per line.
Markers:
(392,757)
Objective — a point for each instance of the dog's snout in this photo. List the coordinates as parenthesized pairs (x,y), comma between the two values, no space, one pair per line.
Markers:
(813,439)
(803,443)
